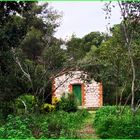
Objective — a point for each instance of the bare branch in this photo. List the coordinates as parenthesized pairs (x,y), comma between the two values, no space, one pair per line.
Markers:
(27,75)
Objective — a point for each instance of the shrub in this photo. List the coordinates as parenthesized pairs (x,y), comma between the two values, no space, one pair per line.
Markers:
(103,112)
(67,103)
(65,125)
(29,126)
(55,100)
(110,124)
(16,127)
(28,100)
(47,107)
(57,124)
(39,125)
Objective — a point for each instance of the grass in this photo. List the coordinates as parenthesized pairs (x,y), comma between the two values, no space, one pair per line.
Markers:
(87,131)
(79,123)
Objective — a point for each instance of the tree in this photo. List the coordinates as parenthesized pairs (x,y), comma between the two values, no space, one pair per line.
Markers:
(12,31)
(93,38)
(32,44)
(75,48)
(130,12)
(21,49)
(78,47)
(12,8)
(110,64)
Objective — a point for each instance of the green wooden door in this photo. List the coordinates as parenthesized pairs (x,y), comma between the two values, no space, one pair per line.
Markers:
(77,94)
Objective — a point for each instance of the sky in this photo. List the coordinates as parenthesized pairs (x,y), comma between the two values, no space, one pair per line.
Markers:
(81,18)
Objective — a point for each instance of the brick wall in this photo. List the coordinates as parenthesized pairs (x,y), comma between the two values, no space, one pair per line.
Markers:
(91,92)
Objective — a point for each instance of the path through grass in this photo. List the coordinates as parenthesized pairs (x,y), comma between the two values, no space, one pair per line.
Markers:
(87,131)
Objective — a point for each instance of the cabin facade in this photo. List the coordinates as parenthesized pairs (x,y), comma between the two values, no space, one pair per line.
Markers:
(88,94)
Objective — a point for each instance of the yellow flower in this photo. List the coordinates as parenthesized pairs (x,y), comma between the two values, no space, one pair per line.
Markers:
(55,100)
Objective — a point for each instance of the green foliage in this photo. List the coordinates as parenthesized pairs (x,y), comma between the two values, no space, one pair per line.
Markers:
(39,125)
(78,47)
(16,127)
(47,107)
(64,125)
(23,28)
(11,8)
(33,50)
(93,39)
(59,124)
(110,124)
(104,112)
(25,103)
(6,108)
(83,113)
(110,64)
(54,57)
(67,103)
(25,126)
(75,48)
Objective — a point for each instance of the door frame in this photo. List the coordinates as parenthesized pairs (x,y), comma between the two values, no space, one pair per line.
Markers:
(82,91)
(75,94)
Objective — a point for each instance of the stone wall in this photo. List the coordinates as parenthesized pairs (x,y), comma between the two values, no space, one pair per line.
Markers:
(91,92)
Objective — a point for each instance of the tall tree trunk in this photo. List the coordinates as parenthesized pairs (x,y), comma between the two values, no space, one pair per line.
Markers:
(132,83)
(128,42)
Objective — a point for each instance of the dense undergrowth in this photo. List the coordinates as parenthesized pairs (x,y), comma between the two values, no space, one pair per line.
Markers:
(59,124)
(109,123)
(61,120)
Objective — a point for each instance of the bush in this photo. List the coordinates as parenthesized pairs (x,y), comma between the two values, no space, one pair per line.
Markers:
(39,126)
(59,124)
(25,126)
(103,112)
(28,100)
(16,127)
(64,125)
(55,100)
(47,107)
(67,103)
(110,124)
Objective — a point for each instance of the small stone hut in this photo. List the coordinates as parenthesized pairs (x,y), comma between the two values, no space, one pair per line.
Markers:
(89,94)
